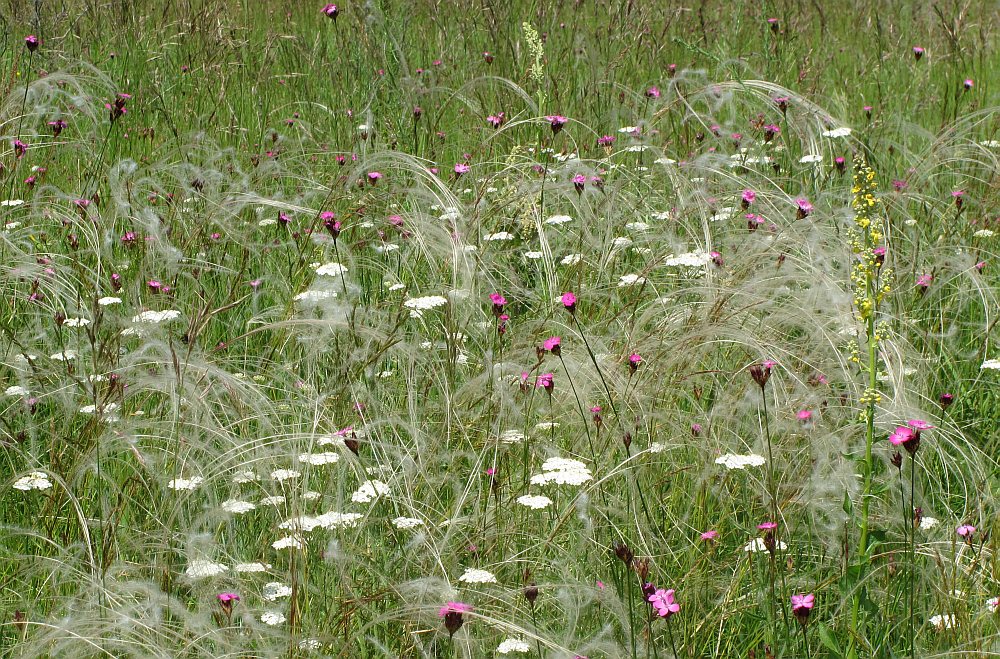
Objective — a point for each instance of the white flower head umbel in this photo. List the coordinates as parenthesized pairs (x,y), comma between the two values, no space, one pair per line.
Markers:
(155,317)
(181,484)
(535,502)
(562,471)
(35,480)
(331,269)
(513,646)
(418,305)
(472,575)
(201,568)
(733,461)
(369,491)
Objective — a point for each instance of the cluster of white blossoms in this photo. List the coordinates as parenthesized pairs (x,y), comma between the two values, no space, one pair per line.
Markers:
(76,322)
(513,645)
(630,280)
(200,568)
(282,475)
(733,461)
(313,296)
(556,220)
(369,491)
(238,507)
(331,269)
(472,575)
(843,131)
(252,568)
(562,471)
(535,502)
(512,436)
(181,484)
(943,621)
(275,590)
(418,305)
(328,520)
(35,480)
(318,459)
(272,618)
(991,365)
(571,259)
(289,542)
(407,522)
(500,236)
(697,259)
(16,390)
(155,317)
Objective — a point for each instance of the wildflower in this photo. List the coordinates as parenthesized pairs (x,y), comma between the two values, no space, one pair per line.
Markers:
(709,536)
(782,103)
(946,621)
(496,120)
(773,22)
(924,282)
(31,43)
(35,480)
(747,198)
(512,645)
(535,502)
(606,141)
(868,112)
(545,381)
(633,362)
(959,197)
(767,526)
(653,92)
(373,177)
(568,300)
(200,568)
(918,52)
(370,491)
(562,471)
(579,181)
(840,164)
(732,461)
(663,603)
(498,303)
(226,601)
(967,84)
(842,131)
(802,606)
(452,613)
(991,365)
(803,208)
(237,507)
(472,575)
(553,345)
(275,590)
(770,132)
(272,618)
(19,148)
(407,522)
(331,11)
(556,121)
(965,531)
(761,373)
(945,400)
(461,168)
(488,57)
(155,317)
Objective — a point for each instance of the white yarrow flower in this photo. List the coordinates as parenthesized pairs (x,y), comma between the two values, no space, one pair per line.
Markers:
(238,507)
(109,300)
(571,259)
(319,459)
(472,575)
(369,491)
(556,220)
(252,568)
(200,568)
(843,131)
(811,158)
(991,364)
(35,480)
(562,471)
(180,484)
(691,259)
(331,269)
(513,645)
(284,474)
(928,523)
(153,317)
(630,280)
(288,542)
(275,590)
(16,390)
(272,618)
(407,522)
(732,461)
(76,322)
(535,502)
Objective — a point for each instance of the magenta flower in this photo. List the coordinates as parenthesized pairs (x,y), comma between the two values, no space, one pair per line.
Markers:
(552,344)
(633,362)
(57,127)
(568,300)
(918,52)
(488,57)
(496,120)
(31,43)
(966,531)
(696,429)
(663,603)
(545,381)
(19,148)
(452,614)
(761,373)
(782,102)
(840,163)
(802,606)
(373,177)
(747,198)
(653,92)
(606,140)
(556,121)
(497,299)
(967,84)
(709,536)
(578,182)
(924,281)
(461,168)
(804,415)
(331,11)
(767,526)
(803,208)
(771,131)
(228,598)
(900,436)
(918,424)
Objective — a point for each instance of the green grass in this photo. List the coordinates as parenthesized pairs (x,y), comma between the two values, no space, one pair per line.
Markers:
(243,126)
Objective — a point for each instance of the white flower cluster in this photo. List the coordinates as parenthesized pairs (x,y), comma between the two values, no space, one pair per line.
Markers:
(535,502)
(418,305)
(512,645)
(200,568)
(35,480)
(328,520)
(155,317)
(331,269)
(562,471)
(733,461)
(696,259)
(180,484)
(369,491)
(472,575)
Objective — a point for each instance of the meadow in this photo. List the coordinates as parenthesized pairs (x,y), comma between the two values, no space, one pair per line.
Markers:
(573,329)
